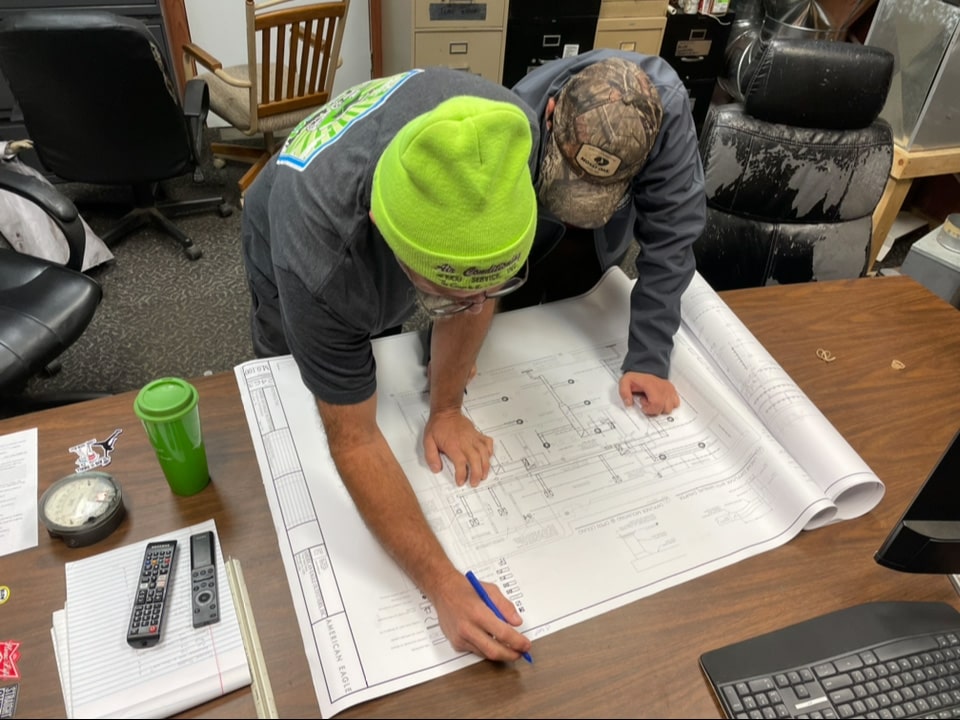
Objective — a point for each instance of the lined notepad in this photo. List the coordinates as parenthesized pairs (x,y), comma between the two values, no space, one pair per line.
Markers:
(102,676)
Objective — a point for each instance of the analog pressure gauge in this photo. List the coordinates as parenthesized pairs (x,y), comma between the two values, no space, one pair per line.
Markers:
(82,508)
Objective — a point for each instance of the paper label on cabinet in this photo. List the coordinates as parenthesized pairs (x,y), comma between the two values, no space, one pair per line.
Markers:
(458,11)
(693,48)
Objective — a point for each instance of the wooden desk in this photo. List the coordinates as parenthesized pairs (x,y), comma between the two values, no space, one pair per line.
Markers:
(638,660)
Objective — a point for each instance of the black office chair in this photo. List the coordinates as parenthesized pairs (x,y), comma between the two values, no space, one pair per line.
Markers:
(794,173)
(102,108)
(44,306)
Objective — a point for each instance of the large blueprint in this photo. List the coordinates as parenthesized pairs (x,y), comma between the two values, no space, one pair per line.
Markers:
(583,492)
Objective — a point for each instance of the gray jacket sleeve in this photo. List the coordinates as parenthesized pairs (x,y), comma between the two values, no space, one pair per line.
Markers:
(670,205)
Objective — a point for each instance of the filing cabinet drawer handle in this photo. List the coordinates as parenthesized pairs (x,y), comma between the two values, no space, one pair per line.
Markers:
(551,41)
(700,58)
(458,48)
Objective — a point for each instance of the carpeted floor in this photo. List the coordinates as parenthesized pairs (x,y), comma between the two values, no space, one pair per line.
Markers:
(161,313)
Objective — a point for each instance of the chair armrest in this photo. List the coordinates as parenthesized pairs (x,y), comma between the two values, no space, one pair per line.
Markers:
(196,99)
(59,207)
(196,105)
(193,52)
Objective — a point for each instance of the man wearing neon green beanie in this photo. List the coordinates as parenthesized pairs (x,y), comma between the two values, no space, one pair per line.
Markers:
(410,189)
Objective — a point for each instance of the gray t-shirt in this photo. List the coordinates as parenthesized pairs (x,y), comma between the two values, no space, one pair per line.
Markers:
(307,234)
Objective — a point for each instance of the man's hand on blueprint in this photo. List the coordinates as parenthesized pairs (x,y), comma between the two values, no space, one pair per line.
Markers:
(655,395)
(387,503)
(470,626)
(451,433)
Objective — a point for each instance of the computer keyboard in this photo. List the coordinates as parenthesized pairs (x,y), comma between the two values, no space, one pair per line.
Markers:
(876,660)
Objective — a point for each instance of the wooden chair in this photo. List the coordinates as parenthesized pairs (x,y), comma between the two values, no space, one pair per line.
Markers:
(292,76)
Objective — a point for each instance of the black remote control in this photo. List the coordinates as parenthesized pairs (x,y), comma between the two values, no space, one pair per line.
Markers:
(203,575)
(150,603)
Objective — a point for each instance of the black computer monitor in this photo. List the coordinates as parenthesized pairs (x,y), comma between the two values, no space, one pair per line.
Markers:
(926,539)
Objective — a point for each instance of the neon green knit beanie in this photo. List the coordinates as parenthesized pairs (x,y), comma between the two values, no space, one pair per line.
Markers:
(452,193)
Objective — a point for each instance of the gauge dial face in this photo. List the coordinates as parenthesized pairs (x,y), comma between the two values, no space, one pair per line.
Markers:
(82,508)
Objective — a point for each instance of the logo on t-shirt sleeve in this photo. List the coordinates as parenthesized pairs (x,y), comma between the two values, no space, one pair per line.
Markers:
(328,124)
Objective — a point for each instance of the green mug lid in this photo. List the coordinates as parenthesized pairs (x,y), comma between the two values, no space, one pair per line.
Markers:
(165,399)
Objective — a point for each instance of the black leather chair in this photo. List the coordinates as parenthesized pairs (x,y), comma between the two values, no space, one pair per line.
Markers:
(794,174)
(44,306)
(102,108)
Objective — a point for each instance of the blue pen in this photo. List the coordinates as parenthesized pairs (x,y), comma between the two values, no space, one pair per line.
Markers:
(489,603)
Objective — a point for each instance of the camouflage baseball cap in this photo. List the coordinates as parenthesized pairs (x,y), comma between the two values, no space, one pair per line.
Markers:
(606,119)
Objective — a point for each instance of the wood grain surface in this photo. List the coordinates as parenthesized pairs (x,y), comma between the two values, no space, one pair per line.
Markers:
(640,660)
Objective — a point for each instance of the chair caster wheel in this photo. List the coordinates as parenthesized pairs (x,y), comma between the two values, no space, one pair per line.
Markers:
(219,163)
(51,369)
(193,252)
(225,209)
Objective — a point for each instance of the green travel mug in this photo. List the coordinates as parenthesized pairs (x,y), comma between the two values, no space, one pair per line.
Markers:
(169,410)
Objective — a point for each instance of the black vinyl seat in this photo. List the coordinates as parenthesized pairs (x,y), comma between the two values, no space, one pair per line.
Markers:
(44,306)
(102,108)
(794,173)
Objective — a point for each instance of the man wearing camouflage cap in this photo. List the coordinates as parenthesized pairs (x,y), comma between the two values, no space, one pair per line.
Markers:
(618,160)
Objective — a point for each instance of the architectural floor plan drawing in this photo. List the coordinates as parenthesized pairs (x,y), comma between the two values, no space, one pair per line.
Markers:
(589,505)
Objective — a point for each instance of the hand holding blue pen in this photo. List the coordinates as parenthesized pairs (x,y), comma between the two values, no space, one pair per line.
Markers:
(489,603)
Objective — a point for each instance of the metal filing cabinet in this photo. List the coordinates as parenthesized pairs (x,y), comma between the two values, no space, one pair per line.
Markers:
(542,30)
(694,45)
(632,25)
(466,36)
